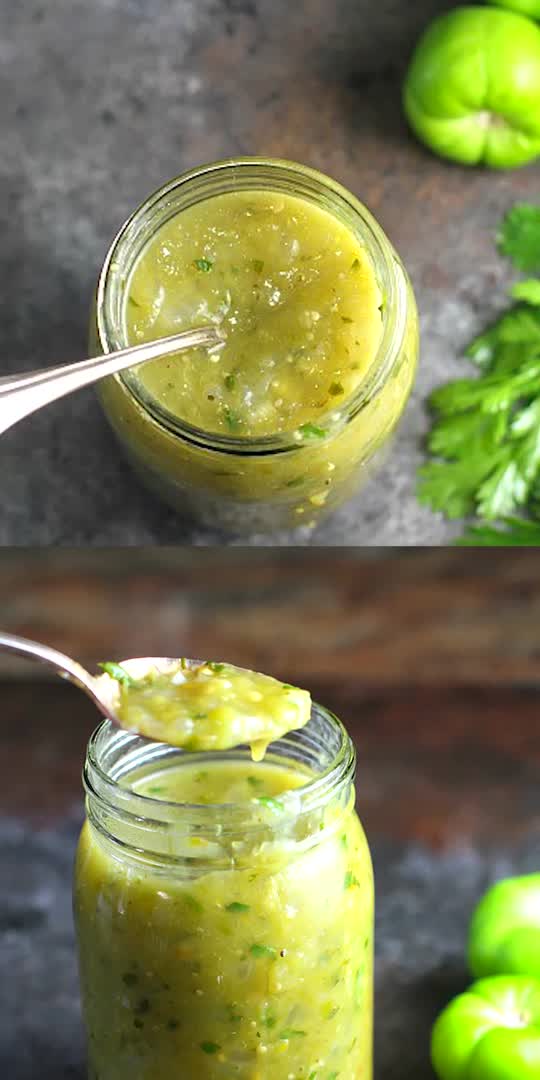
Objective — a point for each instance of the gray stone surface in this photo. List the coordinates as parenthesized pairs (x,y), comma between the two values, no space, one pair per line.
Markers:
(423,905)
(101,102)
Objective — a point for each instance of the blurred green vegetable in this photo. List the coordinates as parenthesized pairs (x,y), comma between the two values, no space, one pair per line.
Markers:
(491,1032)
(525,7)
(504,935)
(472,90)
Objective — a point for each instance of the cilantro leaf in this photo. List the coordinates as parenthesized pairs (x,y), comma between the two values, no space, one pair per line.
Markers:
(450,487)
(527,290)
(519,236)
(513,532)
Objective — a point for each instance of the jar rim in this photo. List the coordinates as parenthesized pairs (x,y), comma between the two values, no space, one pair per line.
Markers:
(102,781)
(385,263)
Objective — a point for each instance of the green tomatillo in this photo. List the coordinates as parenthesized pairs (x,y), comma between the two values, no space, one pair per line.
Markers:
(525,7)
(491,1032)
(504,934)
(472,90)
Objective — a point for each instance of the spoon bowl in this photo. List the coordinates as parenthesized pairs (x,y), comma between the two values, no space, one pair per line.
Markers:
(103,690)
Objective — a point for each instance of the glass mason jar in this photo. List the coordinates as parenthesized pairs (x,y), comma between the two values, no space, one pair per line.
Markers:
(178,977)
(243,484)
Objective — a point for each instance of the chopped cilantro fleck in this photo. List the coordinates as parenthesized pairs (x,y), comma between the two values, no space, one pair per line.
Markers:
(311,431)
(255,781)
(210,1047)
(230,382)
(237,906)
(234,421)
(258,266)
(116,671)
(336,388)
(296,481)
(350,880)
(291,1033)
(215,667)
(192,902)
(203,264)
(269,1020)
(262,950)
(272,804)
(355,264)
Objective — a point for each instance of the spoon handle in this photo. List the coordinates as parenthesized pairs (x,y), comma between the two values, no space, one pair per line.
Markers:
(63,665)
(21,395)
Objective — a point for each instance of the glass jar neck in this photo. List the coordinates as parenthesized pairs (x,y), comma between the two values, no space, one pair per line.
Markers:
(148,830)
(244,174)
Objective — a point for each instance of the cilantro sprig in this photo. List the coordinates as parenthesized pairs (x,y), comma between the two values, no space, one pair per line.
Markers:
(485,436)
(512,532)
(519,237)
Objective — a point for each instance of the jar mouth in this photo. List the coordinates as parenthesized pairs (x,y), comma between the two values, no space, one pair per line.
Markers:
(113,754)
(250,173)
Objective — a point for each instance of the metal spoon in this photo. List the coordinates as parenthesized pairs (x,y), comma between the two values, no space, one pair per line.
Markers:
(21,395)
(101,689)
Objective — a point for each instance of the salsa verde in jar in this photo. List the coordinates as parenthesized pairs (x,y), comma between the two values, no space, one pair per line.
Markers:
(279,423)
(224,910)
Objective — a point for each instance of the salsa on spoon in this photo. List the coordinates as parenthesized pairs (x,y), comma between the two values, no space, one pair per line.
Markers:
(187,703)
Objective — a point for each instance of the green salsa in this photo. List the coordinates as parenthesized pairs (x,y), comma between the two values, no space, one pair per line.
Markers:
(208,706)
(295,294)
(279,423)
(256,964)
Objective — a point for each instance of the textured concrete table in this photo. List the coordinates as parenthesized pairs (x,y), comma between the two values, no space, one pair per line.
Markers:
(102,102)
(447,812)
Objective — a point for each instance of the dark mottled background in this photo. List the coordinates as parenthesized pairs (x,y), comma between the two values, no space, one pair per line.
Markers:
(101,102)
(431,659)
